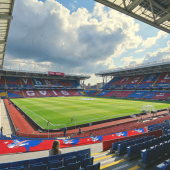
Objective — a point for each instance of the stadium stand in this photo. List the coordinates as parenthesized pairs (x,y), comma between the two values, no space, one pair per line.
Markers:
(134,81)
(57,83)
(75,84)
(138,94)
(66,161)
(87,92)
(15,93)
(37,81)
(43,93)
(66,83)
(48,82)
(54,93)
(13,82)
(30,93)
(148,80)
(65,93)
(124,94)
(74,92)
(26,82)
(102,93)
(2,82)
(111,93)
(3,94)
(111,83)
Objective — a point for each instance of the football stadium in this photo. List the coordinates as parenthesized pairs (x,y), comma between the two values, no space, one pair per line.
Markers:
(50,121)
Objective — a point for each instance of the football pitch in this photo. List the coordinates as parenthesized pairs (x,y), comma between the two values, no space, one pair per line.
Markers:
(60,110)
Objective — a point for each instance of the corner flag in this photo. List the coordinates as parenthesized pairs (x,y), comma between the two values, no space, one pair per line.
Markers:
(47,123)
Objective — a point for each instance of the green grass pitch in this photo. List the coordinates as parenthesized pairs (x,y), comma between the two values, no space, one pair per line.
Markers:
(59,110)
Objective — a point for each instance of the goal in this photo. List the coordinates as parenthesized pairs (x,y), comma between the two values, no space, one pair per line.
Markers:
(148,108)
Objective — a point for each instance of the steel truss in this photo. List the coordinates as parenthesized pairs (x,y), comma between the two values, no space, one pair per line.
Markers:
(153,12)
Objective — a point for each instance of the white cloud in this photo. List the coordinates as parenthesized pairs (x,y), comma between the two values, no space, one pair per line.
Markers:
(162,53)
(130,60)
(75,1)
(48,32)
(140,50)
(72,6)
(152,40)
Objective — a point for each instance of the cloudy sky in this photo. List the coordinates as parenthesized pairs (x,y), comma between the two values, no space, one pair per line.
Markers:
(81,34)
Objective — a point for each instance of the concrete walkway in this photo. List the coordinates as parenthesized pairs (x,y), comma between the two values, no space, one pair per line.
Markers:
(5,121)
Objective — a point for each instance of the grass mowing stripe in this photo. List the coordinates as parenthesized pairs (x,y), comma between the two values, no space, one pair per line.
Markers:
(59,110)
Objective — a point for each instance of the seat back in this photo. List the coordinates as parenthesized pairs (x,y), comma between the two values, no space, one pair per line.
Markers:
(93,167)
(55,164)
(139,147)
(31,165)
(114,145)
(60,168)
(147,155)
(131,150)
(25,163)
(69,160)
(17,168)
(146,145)
(39,167)
(87,161)
(157,151)
(74,166)
(122,147)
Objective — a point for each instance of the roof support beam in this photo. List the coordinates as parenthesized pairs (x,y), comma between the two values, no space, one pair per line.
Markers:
(163,19)
(120,9)
(3,42)
(134,4)
(6,16)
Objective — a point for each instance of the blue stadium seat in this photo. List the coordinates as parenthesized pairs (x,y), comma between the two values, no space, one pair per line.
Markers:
(81,158)
(43,160)
(147,155)
(93,167)
(122,147)
(17,168)
(25,163)
(157,151)
(163,166)
(131,150)
(115,146)
(39,167)
(74,166)
(87,161)
(31,165)
(60,168)
(167,161)
(140,146)
(5,165)
(69,160)
(54,164)
(147,144)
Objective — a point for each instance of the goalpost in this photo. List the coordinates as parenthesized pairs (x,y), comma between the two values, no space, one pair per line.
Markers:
(148,108)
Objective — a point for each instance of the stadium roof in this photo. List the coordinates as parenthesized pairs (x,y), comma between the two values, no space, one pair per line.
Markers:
(153,12)
(6,9)
(22,73)
(138,69)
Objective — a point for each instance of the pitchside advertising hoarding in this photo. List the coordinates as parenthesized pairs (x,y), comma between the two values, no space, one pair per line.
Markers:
(56,73)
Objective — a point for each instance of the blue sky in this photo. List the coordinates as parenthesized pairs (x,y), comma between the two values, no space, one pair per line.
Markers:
(81,34)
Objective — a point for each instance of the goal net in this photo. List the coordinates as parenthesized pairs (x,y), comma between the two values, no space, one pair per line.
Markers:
(147,108)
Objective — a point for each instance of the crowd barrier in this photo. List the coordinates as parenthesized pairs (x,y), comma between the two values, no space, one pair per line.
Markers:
(108,143)
(16,145)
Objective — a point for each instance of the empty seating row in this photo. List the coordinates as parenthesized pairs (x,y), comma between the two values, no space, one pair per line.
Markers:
(31,82)
(140,82)
(69,161)
(122,147)
(134,150)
